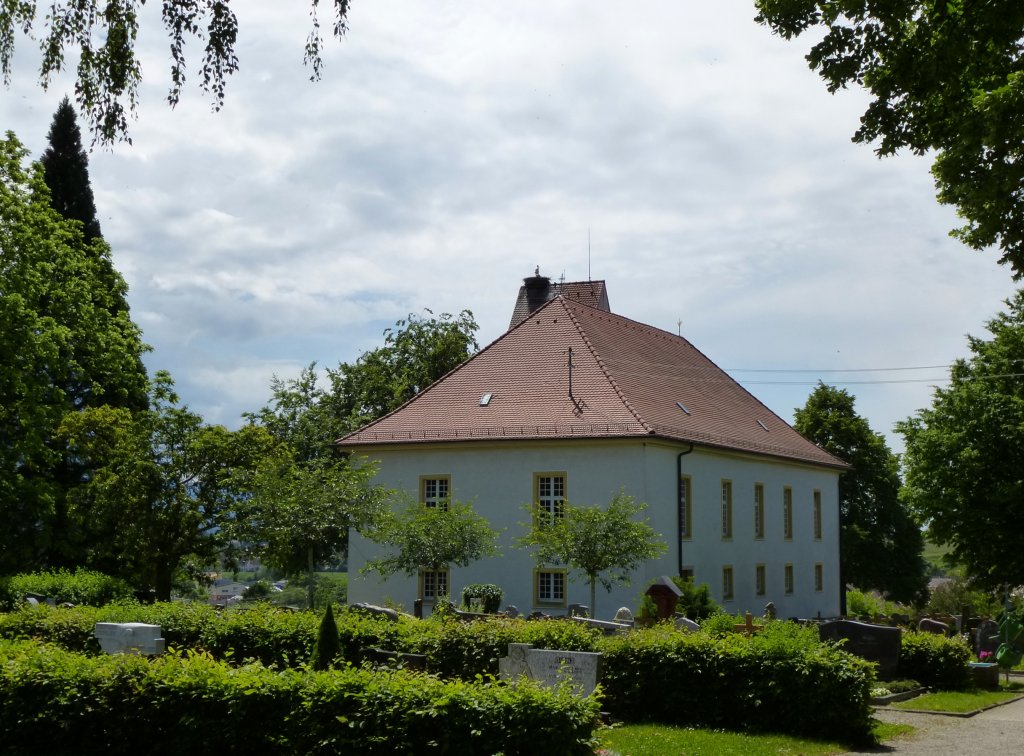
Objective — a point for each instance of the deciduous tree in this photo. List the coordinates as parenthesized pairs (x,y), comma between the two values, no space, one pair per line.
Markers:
(881,546)
(600,544)
(103,34)
(947,77)
(432,538)
(65,345)
(965,453)
(166,486)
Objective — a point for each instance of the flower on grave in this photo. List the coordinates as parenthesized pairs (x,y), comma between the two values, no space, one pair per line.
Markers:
(984,656)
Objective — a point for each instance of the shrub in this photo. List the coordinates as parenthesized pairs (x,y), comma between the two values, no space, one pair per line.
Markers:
(488,594)
(327,643)
(935,660)
(779,680)
(81,587)
(190,703)
(696,602)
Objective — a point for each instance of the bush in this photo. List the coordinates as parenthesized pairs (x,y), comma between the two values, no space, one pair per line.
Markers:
(935,660)
(190,703)
(780,680)
(327,643)
(81,587)
(488,594)
(696,602)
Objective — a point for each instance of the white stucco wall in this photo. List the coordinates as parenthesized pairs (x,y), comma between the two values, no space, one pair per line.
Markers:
(498,478)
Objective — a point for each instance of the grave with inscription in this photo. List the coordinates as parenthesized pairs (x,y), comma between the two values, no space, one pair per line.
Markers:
(876,643)
(129,638)
(552,668)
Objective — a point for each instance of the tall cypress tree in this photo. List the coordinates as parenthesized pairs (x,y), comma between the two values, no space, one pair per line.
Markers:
(66,171)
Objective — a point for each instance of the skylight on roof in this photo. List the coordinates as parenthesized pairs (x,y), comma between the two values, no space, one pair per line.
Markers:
(682,406)
(485,399)
(763,426)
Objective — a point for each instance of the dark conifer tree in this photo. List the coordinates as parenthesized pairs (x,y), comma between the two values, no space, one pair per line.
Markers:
(66,170)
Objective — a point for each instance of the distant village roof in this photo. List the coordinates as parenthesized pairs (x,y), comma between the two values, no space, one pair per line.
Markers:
(571,370)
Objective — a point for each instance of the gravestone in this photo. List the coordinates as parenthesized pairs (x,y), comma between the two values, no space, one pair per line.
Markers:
(665,594)
(376,611)
(928,625)
(384,656)
(685,623)
(129,638)
(876,643)
(552,668)
(608,628)
(579,610)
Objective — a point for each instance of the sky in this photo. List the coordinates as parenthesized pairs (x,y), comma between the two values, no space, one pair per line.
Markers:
(678,151)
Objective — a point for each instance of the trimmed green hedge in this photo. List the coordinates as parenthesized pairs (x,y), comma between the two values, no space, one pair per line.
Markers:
(781,679)
(935,660)
(81,587)
(53,701)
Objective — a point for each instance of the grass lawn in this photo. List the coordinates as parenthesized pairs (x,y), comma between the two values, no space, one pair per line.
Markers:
(961,702)
(659,740)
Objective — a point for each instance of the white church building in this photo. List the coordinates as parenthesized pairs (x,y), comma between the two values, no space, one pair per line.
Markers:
(576,403)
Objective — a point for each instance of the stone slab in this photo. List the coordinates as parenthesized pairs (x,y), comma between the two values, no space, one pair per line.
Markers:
(129,638)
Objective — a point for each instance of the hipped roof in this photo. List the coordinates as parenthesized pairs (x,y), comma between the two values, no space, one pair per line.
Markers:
(628,380)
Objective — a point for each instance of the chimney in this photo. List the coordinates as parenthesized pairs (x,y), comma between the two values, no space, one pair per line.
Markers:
(538,290)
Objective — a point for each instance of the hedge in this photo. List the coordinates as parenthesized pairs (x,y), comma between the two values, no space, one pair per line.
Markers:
(61,586)
(779,680)
(935,660)
(53,701)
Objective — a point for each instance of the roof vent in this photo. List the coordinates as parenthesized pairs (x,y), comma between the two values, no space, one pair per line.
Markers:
(763,426)
(485,399)
(682,406)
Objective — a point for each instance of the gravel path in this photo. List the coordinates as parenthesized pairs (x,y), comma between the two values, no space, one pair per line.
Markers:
(996,732)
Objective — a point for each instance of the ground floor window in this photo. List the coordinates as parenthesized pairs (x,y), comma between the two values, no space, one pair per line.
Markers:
(727,587)
(549,587)
(788,573)
(759,580)
(433,584)
(819,577)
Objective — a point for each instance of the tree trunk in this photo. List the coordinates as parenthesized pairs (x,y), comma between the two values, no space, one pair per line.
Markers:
(162,580)
(593,596)
(310,565)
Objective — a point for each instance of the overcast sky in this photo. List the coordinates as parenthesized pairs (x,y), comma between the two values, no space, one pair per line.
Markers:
(451,148)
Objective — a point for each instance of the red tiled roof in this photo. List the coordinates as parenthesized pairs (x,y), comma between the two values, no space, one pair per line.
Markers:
(628,380)
(592,293)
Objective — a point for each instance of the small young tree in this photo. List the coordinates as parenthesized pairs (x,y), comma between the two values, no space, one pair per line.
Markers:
(327,642)
(602,545)
(433,538)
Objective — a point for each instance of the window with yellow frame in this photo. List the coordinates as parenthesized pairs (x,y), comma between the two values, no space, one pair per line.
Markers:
(435,490)
(549,587)
(549,495)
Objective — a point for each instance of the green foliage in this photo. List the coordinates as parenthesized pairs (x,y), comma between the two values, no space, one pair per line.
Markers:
(190,703)
(965,452)
(695,602)
(859,603)
(67,343)
(935,660)
(66,170)
(779,680)
(258,591)
(327,642)
(488,594)
(881,545)
(600,544)
(956,593)
(946,78)
(76,587)
(165,487)
(432,538)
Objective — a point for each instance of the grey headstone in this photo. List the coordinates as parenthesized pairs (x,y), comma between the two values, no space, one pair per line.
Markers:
(685,623)
(927,625)
(129,638)
(877,643)
(377,611)
(552,668)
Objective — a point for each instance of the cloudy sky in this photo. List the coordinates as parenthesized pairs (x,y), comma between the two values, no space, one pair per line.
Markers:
(676,150)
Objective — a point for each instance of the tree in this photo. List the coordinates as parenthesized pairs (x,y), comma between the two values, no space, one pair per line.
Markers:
(103,33)
(602,545)
(166,486)
(947,76)
(65,345)
(66,171)
(416,352)
(881,546)
(964,456)
(432,538)
(298,513)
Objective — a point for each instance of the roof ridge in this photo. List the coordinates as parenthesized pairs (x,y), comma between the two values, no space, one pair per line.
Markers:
(601,364)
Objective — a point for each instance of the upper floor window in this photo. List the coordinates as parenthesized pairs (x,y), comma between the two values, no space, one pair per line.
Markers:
(726,509)
(817,515)
(787,513)
(758,510)
(435,490)
(549,495)
(685,509)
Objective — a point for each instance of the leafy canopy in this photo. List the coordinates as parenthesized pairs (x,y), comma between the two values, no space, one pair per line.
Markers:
(102,34)
(947,76)
(601,544)
(881,545)
(964,455)
(432,538)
